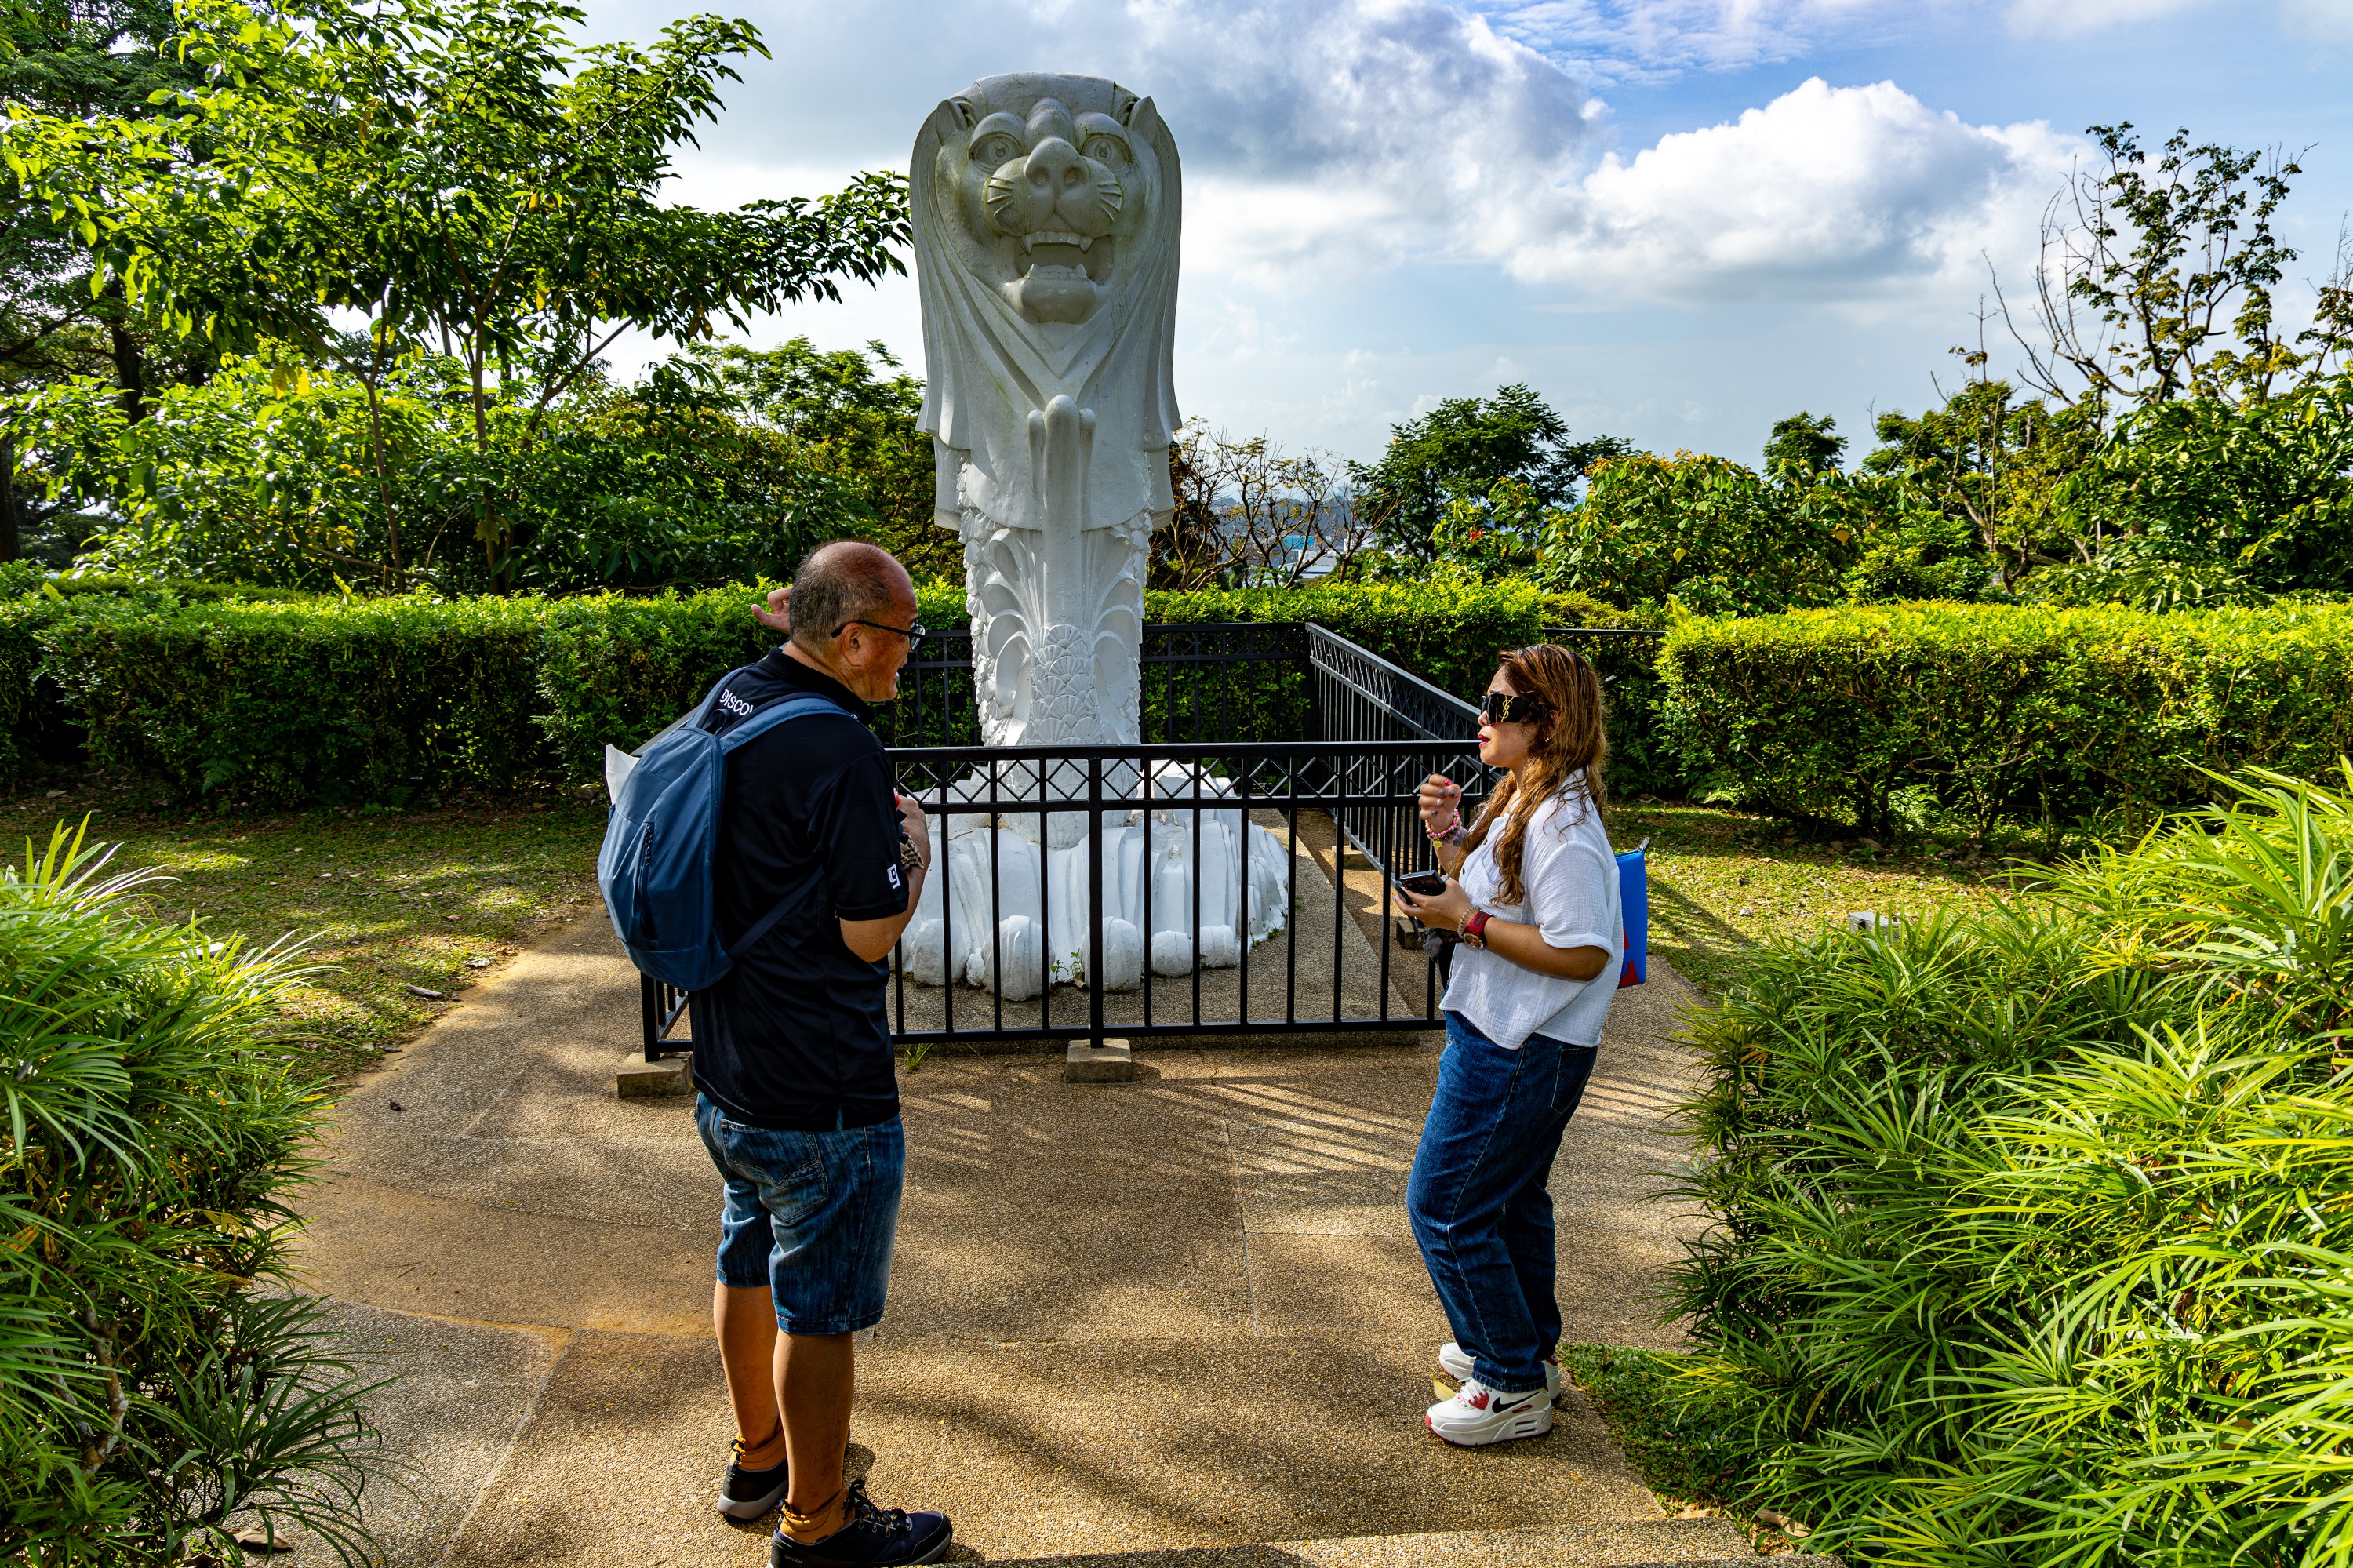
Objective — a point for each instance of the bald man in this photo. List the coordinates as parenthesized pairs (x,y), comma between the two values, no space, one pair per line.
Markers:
(797,1097)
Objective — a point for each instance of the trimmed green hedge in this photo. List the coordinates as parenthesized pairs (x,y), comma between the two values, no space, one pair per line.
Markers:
(22,621)
(342,700)
(331,701)
(1999,712)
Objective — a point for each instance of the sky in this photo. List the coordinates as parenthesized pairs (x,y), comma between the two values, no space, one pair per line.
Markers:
(1678,220)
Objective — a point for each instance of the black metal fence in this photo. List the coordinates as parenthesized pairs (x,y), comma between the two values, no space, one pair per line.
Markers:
(1227,878)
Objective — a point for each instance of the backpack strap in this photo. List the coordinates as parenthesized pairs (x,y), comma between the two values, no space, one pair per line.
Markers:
(759,723)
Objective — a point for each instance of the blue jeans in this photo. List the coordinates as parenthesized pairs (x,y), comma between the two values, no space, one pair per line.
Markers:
(810,1215)
(1480,1211)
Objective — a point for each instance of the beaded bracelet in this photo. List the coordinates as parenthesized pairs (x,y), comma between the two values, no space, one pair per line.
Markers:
(1450,835)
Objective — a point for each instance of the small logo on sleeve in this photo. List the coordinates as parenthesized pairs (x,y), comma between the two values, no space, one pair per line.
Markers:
(892,870)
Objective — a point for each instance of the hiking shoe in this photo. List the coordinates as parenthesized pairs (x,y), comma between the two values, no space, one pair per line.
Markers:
(1478,1416)
(1456,1362)
(749,1494)
(870,1537)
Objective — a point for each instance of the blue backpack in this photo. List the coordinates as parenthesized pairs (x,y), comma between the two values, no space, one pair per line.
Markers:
(655,869)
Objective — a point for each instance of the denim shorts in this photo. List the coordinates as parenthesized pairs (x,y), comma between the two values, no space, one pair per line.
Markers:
(811,1215)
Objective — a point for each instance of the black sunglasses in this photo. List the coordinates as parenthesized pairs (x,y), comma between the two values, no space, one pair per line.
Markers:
(914,634)
(1511,708)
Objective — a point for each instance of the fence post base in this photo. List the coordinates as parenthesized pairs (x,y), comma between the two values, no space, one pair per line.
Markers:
(636,1079)
(1109,1063)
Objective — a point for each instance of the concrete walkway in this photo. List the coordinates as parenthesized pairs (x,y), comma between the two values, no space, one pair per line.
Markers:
(1162,1323)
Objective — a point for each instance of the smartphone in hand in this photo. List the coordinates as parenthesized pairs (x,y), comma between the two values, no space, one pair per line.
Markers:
(1423,884)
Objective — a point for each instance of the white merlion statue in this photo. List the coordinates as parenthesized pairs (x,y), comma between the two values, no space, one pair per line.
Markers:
(1046,217)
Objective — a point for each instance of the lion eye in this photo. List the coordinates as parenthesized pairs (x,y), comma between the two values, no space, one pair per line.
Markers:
(1106,149)
(995,149)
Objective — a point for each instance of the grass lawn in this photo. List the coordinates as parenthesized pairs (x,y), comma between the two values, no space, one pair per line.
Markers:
(399,902)
(1722,882)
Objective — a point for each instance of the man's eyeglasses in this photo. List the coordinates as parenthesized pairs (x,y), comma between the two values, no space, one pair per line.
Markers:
(914,634)
(1511,708)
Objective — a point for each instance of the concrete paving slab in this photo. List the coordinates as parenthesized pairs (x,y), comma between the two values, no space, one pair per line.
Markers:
(1689,1543)
(1183,1313)
(1038,1450)
(464,1392)
(1039,1209)
(383,1246)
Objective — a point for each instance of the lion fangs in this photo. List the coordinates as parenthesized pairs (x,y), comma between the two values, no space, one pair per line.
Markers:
(1085,242)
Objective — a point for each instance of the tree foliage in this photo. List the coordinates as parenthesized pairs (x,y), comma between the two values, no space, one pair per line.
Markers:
(264,475)
(1249,514)
(2026,1255)
(1456,455)
(153,1394)
(462,180)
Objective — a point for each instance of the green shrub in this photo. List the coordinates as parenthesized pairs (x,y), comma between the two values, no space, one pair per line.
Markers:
(330,700)
(613,670)
(193,591)
(2030,1247)
(300,698)
(2005,712)
(616,669)
(22,621)
(150,1397)
(1447,629)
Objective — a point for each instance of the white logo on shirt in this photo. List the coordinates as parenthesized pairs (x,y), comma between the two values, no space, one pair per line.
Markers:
(734,705)
(892,872)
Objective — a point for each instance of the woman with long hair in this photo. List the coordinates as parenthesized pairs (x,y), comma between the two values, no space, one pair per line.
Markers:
(1534,901)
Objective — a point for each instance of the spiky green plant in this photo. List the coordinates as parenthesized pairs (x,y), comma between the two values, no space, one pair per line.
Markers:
(2036,1224)
(157,1384)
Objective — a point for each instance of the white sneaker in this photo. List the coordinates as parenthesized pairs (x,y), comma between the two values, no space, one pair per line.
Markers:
(1478,1416)
(1456,1362)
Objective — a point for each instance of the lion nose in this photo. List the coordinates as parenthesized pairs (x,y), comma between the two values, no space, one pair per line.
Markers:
(1055,167)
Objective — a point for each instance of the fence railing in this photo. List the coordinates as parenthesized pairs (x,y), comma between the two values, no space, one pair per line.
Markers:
(1361,698)
(1212,682)
(1275,799)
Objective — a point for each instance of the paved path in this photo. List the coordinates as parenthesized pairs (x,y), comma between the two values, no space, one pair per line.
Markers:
(1132,1319)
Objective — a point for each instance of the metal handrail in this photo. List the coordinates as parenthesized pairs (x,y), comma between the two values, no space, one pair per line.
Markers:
(1375,731)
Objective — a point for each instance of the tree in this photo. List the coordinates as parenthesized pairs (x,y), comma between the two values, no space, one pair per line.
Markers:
(1802,447)
(1708,532)
(262,476)
(849,414)
(2257,492)
(1248,514)
(78,61)
(1994,462)
(1460,450)
(455,176)
(2156,281)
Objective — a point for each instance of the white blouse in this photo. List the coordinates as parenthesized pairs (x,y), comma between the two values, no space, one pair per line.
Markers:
(1571,877)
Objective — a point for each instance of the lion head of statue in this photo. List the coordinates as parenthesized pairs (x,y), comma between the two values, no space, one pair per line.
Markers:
(1049,182)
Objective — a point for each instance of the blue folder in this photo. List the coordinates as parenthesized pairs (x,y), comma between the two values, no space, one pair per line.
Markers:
(1634,893)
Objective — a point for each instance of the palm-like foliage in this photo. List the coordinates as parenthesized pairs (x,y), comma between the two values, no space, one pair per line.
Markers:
(149,1137)
(2036,1239)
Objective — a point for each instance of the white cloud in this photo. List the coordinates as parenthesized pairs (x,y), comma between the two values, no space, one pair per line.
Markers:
(2327,19)
(2067,17)
(1645,39)
(1825,193)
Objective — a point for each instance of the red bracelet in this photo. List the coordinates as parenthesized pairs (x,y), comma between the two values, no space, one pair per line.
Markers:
(1474,929)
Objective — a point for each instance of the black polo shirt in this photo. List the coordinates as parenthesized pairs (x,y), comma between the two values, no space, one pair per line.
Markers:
(795,1037)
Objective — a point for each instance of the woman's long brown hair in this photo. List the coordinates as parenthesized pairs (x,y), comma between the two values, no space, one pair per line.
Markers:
(1570,747)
